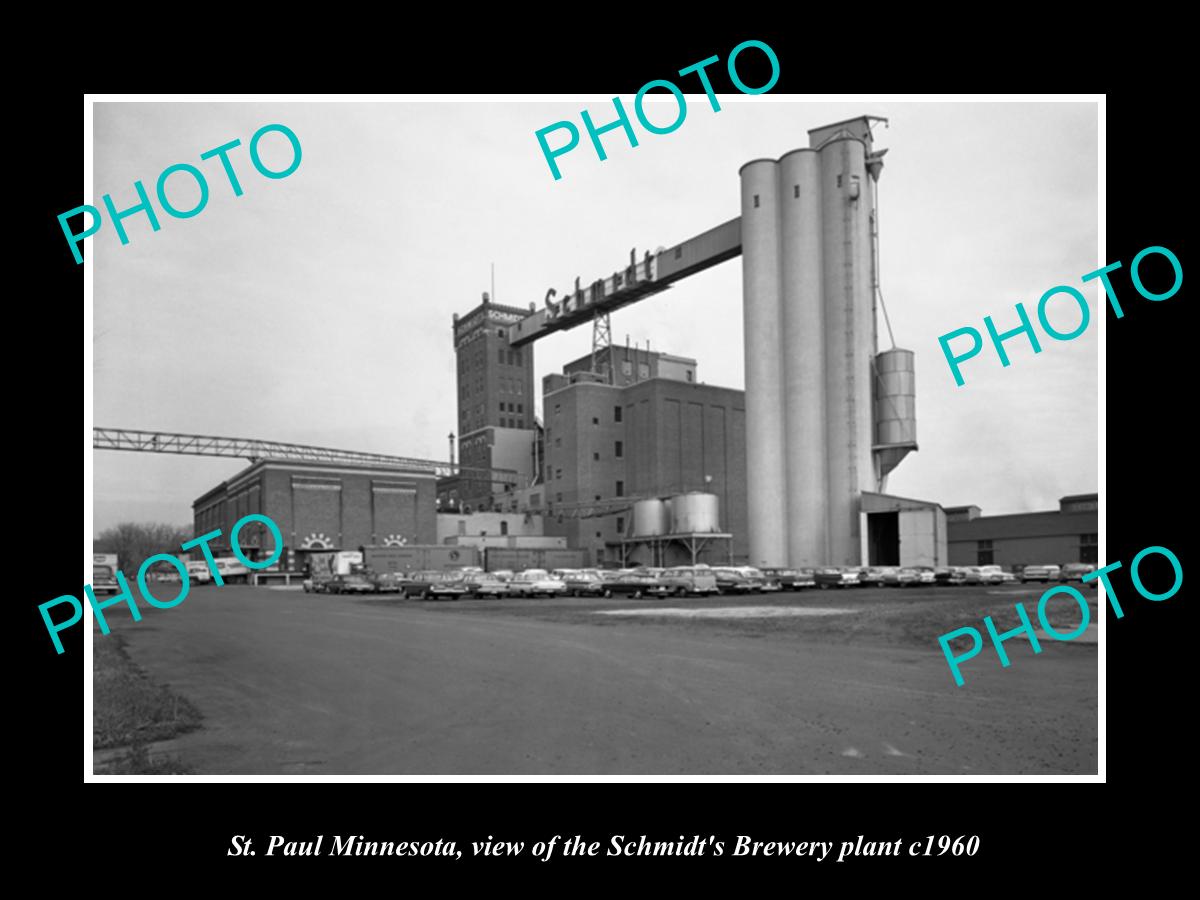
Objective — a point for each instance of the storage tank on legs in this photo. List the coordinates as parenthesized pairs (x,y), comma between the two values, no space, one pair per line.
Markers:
(649,518)
(696,512)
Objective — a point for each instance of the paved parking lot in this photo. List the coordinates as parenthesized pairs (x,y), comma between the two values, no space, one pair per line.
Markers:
(294,683)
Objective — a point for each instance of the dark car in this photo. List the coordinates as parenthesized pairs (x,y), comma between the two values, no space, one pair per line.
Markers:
(583,583)
(789,579)
(633,585)
(354,583)
(833,577)
(434,585)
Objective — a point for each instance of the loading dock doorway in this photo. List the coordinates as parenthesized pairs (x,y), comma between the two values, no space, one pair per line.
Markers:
(883,539)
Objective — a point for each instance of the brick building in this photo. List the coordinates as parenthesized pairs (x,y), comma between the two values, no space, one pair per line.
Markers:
(653,432)
(320,506)
(496,426)
(1068,534)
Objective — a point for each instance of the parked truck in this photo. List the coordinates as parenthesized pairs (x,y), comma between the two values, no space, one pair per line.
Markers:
(104,573)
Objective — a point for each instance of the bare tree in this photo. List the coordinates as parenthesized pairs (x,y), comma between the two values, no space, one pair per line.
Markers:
(133,542)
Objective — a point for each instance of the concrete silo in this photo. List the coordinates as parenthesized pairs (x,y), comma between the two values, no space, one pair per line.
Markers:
(766,472)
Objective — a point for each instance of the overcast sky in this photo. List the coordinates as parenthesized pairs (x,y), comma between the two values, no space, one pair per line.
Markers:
(317,308)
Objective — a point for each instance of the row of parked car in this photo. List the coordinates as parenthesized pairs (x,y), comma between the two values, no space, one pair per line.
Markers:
(677,581)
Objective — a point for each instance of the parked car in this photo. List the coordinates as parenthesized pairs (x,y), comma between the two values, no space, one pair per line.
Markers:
(352,583)
(488,585)
(872,576)
(389,582)
(902,577)
(805,577)
(994,575)
(583,583)
(788,579)
(925,574)
(1076,571)
(831,576)
(537,583)
(433,585)
(950,575)
(693,580)
(1042,573)
(733,581)
(634,584)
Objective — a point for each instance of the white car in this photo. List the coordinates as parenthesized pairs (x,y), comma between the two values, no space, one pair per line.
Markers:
(537,583)
(1042,573)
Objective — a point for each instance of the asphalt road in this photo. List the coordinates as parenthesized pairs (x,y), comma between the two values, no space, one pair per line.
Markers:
(292,683)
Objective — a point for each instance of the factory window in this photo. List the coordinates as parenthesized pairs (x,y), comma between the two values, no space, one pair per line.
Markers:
(503,527)
(985,553)
(756,201)
(796,191)
(558,473)
(619,449)
(599,535)
(595,420)
(643,371)
(558,442)
(620,489)
(597,497)
(616,414)
(620,526)
(626,367)
(520,407)
(1088,550)
(558,497)
(689,374)
(596,455)
(557,407)
(679,252)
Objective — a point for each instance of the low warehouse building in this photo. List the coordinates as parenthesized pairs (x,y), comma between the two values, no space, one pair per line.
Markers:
(1066,535)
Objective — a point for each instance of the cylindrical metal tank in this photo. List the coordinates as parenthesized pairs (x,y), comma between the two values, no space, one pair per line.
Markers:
(803,319)
(849,340)
(649,518)
(896,399)
(767,526)
(895,410)
(696,512)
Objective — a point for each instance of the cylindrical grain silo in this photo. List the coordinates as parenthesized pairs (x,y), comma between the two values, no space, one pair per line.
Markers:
(895,410)
(696,512)
(649,518)
(849,340)
(803,319)
(765,467)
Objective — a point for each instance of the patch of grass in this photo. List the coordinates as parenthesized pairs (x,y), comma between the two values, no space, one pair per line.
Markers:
(128,709)
(137,761)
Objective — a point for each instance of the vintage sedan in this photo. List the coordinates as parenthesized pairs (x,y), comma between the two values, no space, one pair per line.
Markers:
(434,585)
(872,576)
(352,583)
(634,584)
(1042,573)
(689,580)
(583,583)
(831,576)
(536,583)
(1076,571)
(389,582)
(488,585)
(733,581)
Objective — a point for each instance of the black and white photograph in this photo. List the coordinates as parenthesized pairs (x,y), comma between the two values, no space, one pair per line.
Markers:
(692,433)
